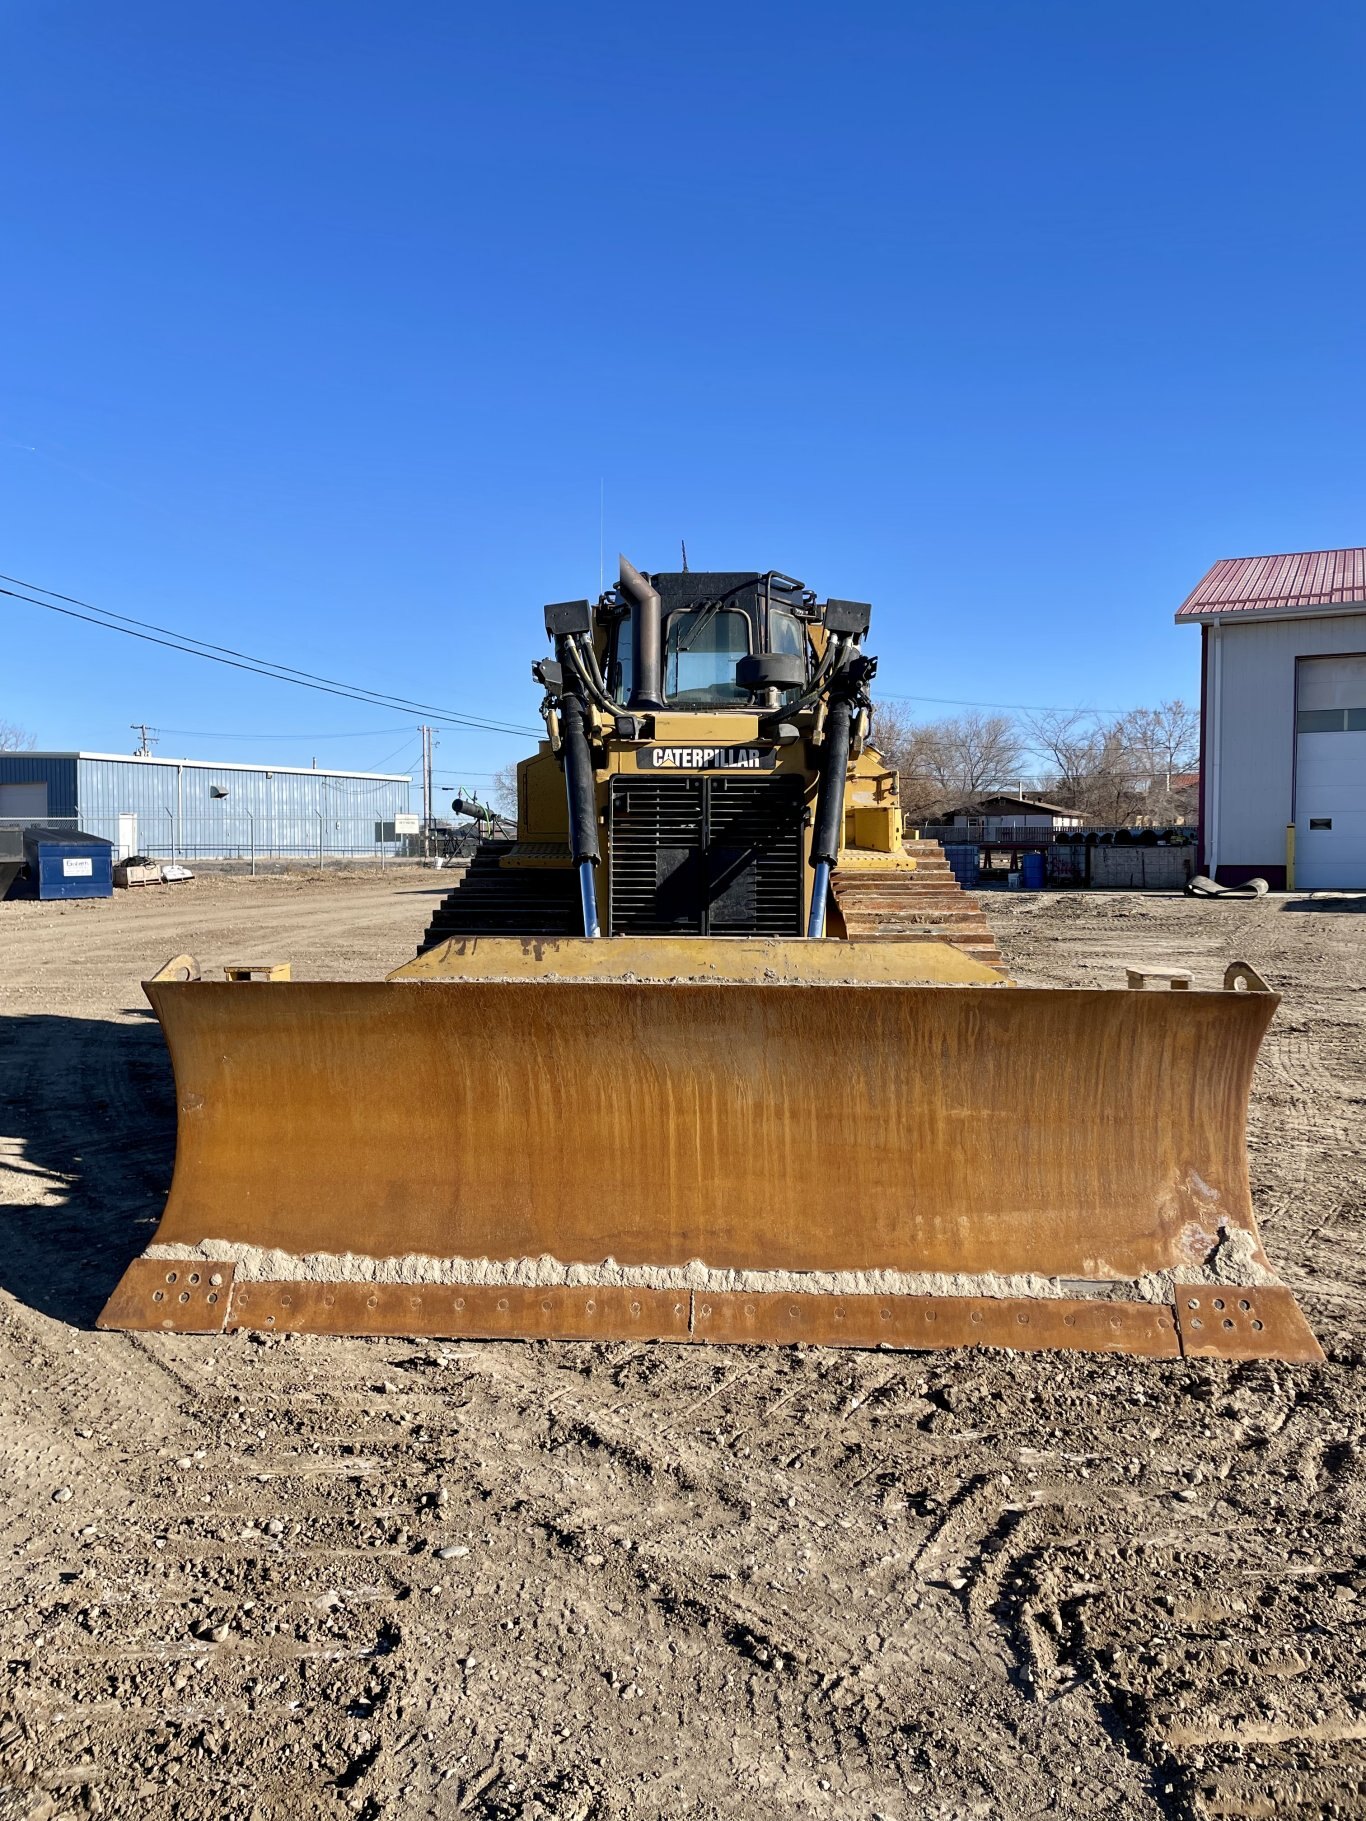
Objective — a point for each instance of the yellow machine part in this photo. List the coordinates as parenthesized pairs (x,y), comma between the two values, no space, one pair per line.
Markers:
(517,1138)
(672,959)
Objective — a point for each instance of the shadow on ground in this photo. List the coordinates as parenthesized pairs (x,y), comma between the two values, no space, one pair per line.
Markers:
(87,1145)
(1339,902)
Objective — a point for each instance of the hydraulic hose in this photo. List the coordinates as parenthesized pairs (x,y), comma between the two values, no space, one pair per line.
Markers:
(583,808)
(590,658)
(836,653)
(601,694)
(571,654)
(828,832)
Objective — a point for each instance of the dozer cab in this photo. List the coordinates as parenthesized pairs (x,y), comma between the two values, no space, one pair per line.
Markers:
(712,1052)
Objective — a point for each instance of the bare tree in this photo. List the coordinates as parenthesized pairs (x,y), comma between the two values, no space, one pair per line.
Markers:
(14,739)
(1113,795)
(1117,770)
(503,790)
(911,748)
(1160,744)
(1068,744)
(945,763)
(982,751)
(1162,739)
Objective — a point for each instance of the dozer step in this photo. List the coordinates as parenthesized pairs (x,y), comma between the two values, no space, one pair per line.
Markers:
(924,882)
(894,882)
(938,882)
(941,905)
(924,929)
(920,906)
(935,894)
(943,923)
(980,950)
(491,900)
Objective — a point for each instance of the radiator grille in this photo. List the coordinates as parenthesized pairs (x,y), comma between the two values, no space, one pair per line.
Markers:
(706,856)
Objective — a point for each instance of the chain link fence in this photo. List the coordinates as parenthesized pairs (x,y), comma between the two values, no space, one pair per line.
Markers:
(257,843)
(1116,859)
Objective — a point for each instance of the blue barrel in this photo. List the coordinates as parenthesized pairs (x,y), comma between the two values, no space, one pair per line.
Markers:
(963,864)
(1035,871)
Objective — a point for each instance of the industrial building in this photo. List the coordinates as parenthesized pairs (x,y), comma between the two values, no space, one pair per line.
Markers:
(1283,719)
(201,809)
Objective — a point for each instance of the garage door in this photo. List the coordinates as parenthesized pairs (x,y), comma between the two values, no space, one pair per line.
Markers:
(1330,774)
(23,802)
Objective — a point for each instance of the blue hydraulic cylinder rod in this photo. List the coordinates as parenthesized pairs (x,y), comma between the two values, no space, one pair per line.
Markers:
(820,891)
(588,892)
(583,815)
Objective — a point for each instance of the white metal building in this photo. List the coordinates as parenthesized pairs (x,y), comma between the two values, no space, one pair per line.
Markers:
(1283,718)
(204,808)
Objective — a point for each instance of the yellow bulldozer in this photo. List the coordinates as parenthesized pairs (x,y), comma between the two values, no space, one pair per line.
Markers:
(712,1052)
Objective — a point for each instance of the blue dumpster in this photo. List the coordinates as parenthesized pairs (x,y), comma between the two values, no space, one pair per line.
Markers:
(67,863)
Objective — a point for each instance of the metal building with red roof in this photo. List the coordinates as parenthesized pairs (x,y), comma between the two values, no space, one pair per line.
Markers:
(1283,718)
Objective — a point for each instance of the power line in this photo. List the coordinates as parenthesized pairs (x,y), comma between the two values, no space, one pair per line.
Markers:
(188,638)
(201,733)
(1012,707)
(405,749)
(240,660)
(190,646)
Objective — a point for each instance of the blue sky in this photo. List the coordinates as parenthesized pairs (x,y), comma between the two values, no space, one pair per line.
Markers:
(322,326)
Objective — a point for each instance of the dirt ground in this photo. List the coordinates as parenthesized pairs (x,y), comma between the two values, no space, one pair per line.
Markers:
(270,1577)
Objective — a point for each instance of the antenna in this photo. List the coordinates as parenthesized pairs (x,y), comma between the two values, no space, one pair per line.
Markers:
(684,548)
(146,739)
(602,520)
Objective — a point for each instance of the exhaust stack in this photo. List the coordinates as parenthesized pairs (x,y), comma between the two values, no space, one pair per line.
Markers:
(647,689)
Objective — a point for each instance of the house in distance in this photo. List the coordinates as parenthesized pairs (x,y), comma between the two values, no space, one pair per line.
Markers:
(985,819)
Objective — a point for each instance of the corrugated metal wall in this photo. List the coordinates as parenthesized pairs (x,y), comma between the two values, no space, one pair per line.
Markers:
(1255,673)
(58,774)
(260,810)
(279,812)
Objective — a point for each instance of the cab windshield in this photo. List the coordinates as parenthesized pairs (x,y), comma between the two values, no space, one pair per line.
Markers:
(702,646)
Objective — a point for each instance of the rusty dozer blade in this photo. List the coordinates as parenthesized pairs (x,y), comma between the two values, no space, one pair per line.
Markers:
(653,1138)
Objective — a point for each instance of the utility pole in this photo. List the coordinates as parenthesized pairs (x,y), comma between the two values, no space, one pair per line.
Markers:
(146,740)
(426,733)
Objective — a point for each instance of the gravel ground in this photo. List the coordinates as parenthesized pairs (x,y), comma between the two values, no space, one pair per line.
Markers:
(270,1577)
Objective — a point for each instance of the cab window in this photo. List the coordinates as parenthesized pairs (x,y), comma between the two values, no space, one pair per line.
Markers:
(702,646)
(622,680)
(786,634)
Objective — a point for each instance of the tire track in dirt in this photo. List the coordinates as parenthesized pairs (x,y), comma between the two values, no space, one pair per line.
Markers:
(914,1637)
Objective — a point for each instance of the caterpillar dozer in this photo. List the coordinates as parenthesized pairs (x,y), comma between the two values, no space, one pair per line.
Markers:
(712,1051)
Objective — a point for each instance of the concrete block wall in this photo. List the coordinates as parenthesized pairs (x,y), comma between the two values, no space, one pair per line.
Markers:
(1142,868)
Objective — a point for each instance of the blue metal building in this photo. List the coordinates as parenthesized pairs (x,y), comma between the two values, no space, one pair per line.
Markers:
(203,809)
